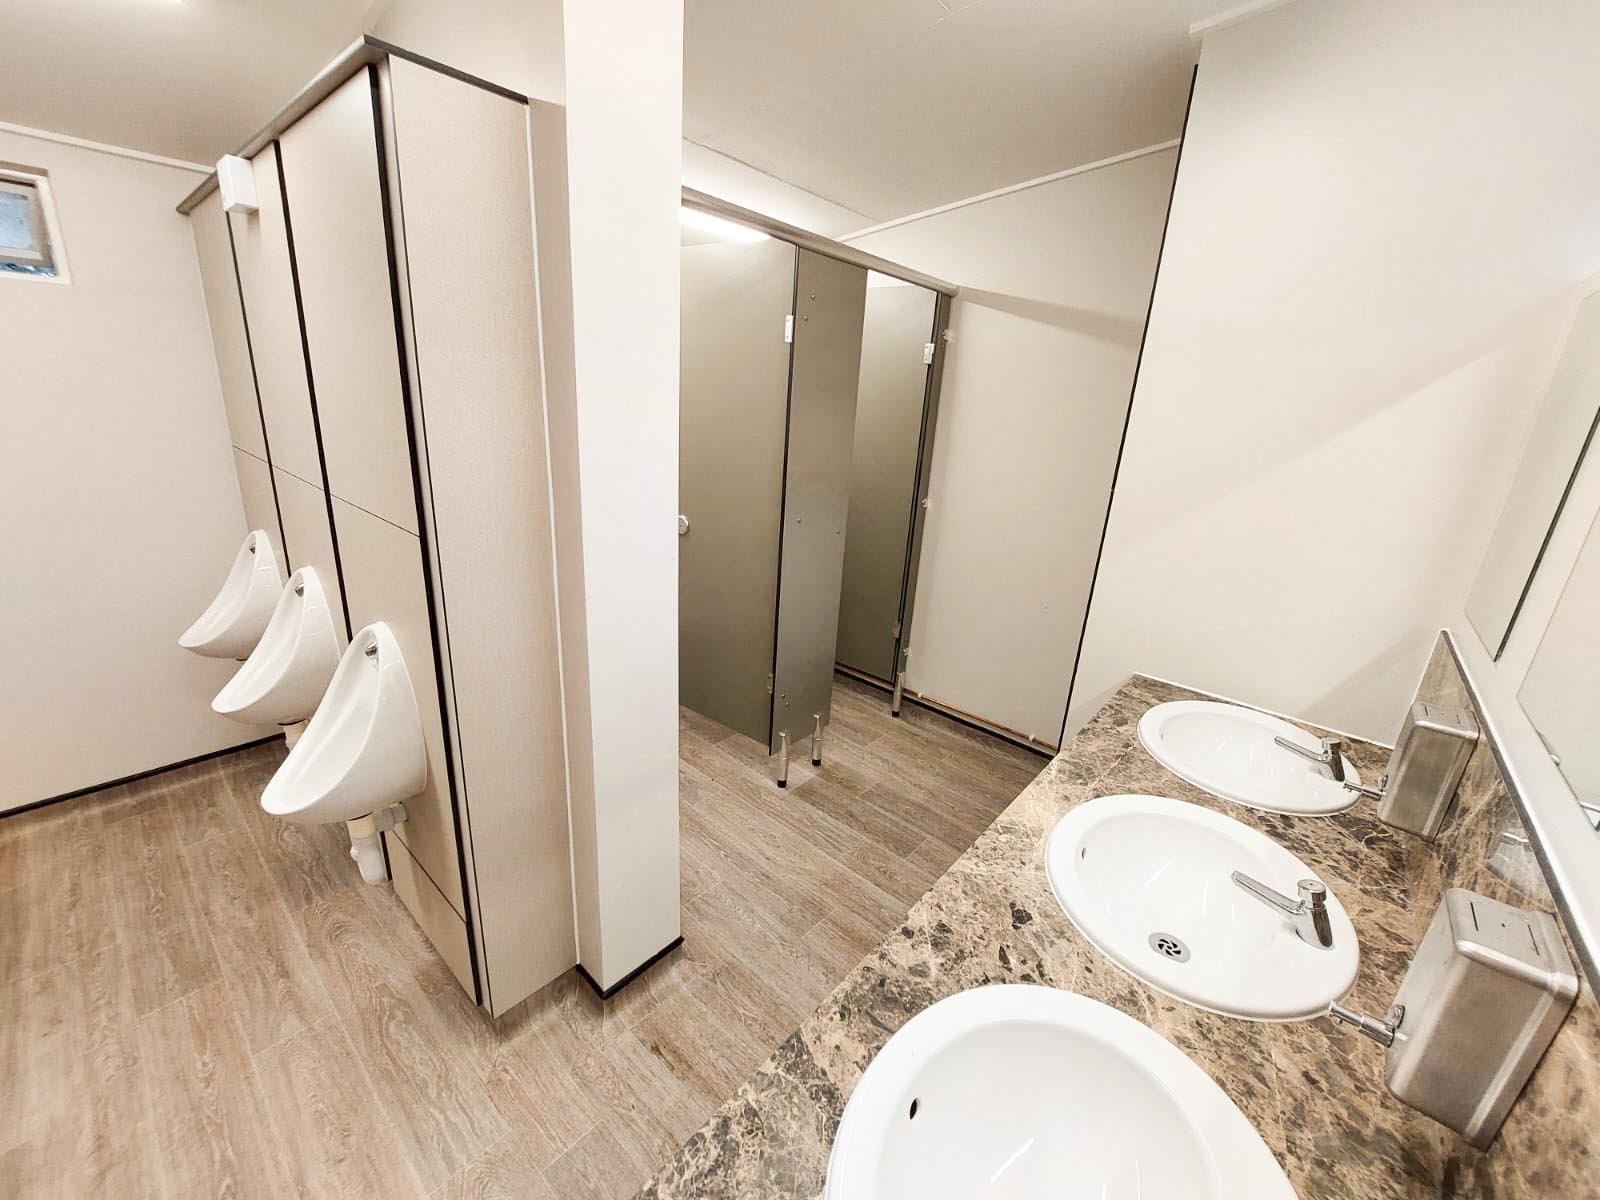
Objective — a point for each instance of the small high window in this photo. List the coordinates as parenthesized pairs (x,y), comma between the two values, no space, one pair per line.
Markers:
(29,239)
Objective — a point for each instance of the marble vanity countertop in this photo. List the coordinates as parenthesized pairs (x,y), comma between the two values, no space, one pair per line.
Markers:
(1314,1090)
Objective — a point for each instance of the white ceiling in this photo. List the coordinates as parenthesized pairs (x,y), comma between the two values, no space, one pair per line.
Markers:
(191,79)
(892,106)
(883,106)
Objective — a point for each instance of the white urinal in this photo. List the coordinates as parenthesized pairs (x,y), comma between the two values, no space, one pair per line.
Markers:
(233,623)
(362,753)
(288,671)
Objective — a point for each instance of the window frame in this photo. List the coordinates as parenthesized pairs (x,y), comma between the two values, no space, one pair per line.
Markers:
(35,184)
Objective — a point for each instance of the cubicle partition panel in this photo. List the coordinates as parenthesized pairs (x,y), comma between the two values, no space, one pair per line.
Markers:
(377,336)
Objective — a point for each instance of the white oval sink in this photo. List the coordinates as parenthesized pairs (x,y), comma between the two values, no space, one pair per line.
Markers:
(1228,751)
(1029,1091)
(1149,881)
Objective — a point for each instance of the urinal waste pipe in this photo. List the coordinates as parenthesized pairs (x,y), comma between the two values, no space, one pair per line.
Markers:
(365,847)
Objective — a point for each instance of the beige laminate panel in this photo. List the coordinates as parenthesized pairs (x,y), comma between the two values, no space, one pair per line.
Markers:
(330,168)
(228,338)
(384,582)
(309,539)
(466,210)
(255,489)
(266,281)
(433,913)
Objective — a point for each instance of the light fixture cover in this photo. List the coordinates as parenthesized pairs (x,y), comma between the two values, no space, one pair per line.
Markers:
(237,179)
(718,227)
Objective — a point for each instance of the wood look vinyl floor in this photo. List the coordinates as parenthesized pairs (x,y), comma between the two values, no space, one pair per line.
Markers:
(200,1001)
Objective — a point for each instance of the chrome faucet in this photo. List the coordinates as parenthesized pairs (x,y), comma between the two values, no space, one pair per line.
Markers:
(1309,914)
(1330,758)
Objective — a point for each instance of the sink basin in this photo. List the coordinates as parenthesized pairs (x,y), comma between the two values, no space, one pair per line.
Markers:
(1028,1091)
(1148,880)
(1228,751)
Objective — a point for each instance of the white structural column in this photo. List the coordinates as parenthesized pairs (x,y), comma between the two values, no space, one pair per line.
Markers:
(614,450)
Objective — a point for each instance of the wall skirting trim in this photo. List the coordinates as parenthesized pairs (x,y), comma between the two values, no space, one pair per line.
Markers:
(137,775)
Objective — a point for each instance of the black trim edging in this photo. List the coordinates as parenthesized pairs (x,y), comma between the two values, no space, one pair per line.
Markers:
(607,993)
(138,775)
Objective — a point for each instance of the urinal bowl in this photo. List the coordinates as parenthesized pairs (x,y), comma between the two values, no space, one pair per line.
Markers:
(288,672)
(363,750)
(234,621)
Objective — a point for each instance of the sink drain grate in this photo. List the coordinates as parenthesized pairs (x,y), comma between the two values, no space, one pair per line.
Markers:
(1168,946)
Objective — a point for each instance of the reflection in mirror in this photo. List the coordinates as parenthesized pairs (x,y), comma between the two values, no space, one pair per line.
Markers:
(1561,693)
(1556,447)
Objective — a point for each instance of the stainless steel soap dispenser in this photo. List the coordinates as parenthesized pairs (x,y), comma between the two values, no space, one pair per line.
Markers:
(1430,756)
(1488,988)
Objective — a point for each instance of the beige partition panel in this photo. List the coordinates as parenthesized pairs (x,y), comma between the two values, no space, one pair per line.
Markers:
(260,503)
(266,283)
(733,401)
(307,539)
(465,215)
(229,339)
(383,576)
(331,175)
(334,182)
(830,297)
(896,330)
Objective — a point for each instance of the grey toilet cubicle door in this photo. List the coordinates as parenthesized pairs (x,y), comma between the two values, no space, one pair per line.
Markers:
(830,299)
(896,331)
(734,382)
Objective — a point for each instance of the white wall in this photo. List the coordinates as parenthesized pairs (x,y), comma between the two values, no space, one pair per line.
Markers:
(1379,210)
(1552,810)
(1054,284)
(708,171)
(119,509)
(624,96)
(518,44)
(515,43)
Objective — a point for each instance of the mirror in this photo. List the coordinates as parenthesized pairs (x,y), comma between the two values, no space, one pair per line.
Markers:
(1556,447)
(807,390)
(1561,692)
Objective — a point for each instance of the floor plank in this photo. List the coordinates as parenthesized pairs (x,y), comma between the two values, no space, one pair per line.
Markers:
(209,1118)
(221,1008)
(336,1138)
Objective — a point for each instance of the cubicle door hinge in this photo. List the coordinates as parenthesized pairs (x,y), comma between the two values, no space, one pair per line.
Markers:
(927,354)
(769,683)
(895,634)
(788,329)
